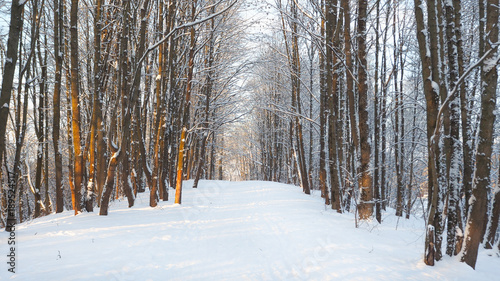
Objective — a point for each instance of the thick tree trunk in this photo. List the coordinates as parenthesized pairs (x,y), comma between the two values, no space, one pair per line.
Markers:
(476,219)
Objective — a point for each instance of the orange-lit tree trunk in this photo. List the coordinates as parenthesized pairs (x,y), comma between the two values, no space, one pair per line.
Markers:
(187,108)
(79,165)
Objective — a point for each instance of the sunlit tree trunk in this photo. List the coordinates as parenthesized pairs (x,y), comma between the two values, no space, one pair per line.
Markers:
(79,164)
(186,109)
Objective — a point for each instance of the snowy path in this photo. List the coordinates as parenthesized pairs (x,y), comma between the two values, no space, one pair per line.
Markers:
(228,231)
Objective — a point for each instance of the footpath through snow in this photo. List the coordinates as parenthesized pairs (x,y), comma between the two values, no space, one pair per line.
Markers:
(229,231)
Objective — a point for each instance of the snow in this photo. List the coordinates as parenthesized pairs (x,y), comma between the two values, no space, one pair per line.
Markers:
(229,231)
(489,64)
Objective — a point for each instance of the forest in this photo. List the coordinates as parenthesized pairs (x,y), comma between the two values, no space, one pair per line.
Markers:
(376,104)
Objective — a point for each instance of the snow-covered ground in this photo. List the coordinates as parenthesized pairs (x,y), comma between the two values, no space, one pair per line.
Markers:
(229,231)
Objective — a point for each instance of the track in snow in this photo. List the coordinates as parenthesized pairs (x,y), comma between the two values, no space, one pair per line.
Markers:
(228,231)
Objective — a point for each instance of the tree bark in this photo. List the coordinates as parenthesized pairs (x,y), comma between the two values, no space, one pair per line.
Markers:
(56,100)
(79,165)
(476,219)
(16,25)
(454,112)
(186,109)
(323,116)
(365,207)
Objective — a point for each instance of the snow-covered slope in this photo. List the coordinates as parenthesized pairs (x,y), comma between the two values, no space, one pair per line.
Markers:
(229,231)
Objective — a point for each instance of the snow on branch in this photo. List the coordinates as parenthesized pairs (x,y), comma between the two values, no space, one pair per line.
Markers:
(175,29)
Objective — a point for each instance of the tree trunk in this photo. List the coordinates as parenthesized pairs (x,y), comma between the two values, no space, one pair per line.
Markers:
(365,207)
(128,101)
(332,39)
(56,124)
(482,180)
(79,164)
(432,99)
(454,111)
(376,135)
(186,109)
(322,116)
(493,225)
(110,179)
(39,128)
(16,25)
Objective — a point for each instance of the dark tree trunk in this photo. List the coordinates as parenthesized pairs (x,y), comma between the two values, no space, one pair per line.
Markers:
(476,220)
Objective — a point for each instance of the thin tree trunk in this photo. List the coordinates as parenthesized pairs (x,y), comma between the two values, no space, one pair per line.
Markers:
(56,100)
(332,39)
(376,114)
(432,98)
(79,164)
(467,140)
(323,116)
(186,109)
(16,25)
(40,130)
(129,99)
(494,219)
(365,182)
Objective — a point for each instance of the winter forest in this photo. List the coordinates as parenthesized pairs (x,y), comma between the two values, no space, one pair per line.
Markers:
(382,108)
